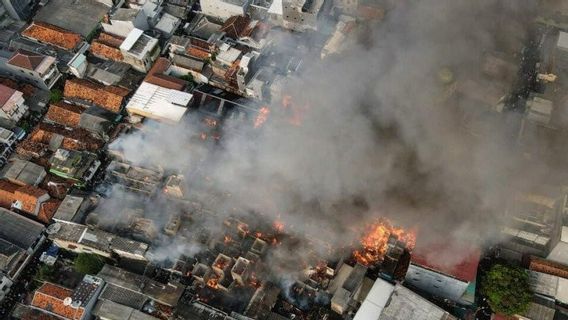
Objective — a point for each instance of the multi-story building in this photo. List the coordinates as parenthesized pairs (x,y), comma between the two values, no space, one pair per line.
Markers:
(35,68)
(140,50)
(224,9)
(12,104)
(297,15)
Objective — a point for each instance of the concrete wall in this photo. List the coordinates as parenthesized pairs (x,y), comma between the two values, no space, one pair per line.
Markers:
(221,9)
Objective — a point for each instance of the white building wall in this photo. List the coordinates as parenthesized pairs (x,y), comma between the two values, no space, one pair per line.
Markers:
(118,28)
(435,283)
(5,285)
(223,10)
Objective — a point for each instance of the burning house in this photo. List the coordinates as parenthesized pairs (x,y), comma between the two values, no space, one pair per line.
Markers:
(174,187)
(136,179)
(344,296)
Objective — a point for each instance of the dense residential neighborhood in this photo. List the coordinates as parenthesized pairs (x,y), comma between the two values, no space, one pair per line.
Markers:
(283,159)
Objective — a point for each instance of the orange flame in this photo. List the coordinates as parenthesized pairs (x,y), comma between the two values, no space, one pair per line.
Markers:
(297,112)
(375,242)
(261,117)
(278,226)
(213,283)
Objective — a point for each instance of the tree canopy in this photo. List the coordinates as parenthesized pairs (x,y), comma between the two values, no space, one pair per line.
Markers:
(507,289)
(88,263)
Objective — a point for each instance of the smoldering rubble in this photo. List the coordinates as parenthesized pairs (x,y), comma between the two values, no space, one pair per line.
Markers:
(369,134)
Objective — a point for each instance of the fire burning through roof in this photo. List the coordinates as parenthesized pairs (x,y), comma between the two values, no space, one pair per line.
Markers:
(261,117)
(376,239)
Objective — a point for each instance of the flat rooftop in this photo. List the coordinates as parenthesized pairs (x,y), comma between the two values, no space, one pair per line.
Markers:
(79,16)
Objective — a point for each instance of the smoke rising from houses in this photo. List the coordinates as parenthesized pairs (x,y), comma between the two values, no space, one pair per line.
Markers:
(375,132)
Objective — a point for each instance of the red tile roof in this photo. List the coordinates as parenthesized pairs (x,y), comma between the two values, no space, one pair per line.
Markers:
(48,33)
(156,76)
(5,94)
(26,59)
(548,267)
(235,26)
(464,270)
(50,297)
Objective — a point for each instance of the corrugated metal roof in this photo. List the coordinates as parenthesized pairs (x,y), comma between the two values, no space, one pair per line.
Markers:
(19,230)
(159,103)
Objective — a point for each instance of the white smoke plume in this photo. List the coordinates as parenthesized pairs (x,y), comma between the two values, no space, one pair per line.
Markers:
(378,137)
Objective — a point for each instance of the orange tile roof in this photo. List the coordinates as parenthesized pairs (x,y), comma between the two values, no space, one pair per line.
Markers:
(50,297)
(103,50)
(47,210)
(197,53)
(54,290)
(65,114)
(7,190)
(48,33)
(31,191)
(108,97)
(29,197)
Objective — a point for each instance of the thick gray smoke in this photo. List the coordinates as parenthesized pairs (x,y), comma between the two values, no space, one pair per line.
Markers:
(374,133)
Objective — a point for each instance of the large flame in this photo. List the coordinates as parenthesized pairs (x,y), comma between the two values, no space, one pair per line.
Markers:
(375,242)
(261,117)
(213,283)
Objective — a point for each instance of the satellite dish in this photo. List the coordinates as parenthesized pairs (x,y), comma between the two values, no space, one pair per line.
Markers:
(67,301)
(76,304)
(54,228)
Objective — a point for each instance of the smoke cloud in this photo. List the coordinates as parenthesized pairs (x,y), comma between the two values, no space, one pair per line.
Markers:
(372,133)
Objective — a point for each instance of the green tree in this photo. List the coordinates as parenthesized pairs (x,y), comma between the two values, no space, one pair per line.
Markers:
(88,263)
(45,273)
(55,95)
(187,77)
(507,289)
